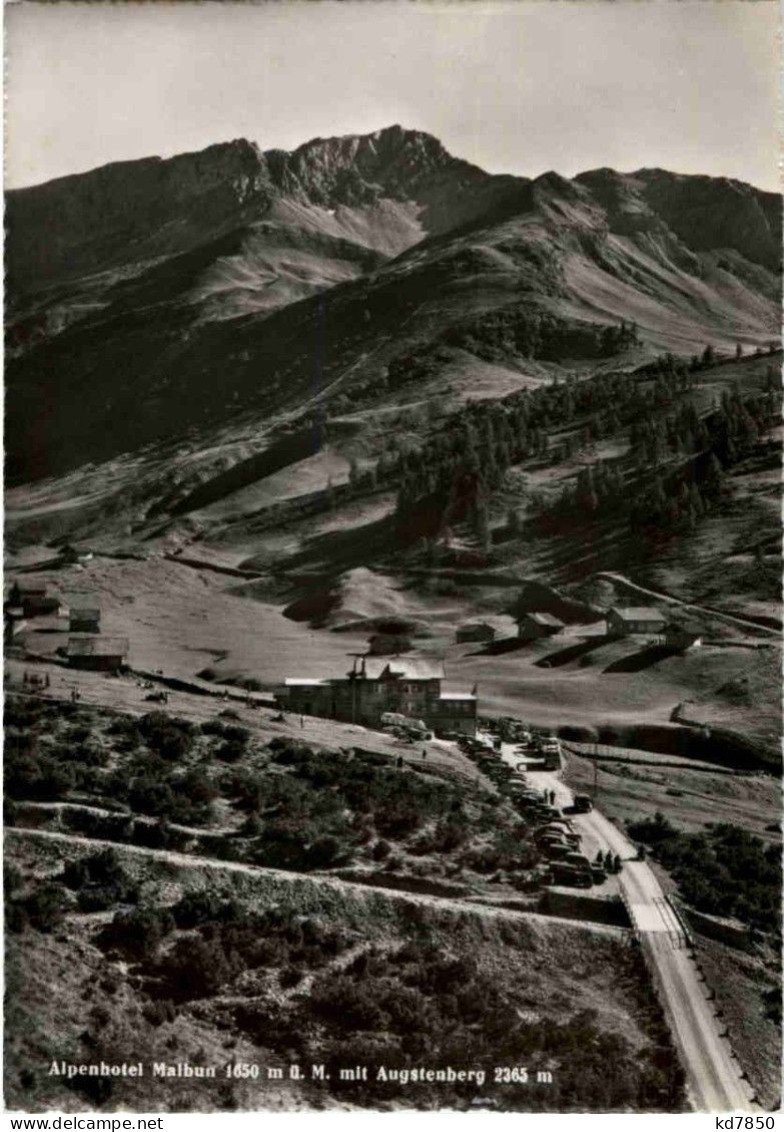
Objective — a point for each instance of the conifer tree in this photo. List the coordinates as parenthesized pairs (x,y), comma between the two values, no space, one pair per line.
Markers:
(712,477)
(513,522)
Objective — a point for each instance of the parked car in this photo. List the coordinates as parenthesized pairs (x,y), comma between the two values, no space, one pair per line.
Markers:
(582,804)
(569,875)
(551,839)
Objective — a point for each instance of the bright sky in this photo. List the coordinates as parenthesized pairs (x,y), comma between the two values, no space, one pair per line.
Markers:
(521,86)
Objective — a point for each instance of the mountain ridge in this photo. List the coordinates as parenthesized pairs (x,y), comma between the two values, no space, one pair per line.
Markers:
(228,183)
(258,278)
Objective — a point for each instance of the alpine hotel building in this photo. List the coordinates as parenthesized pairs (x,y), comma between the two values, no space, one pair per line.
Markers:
(409,685)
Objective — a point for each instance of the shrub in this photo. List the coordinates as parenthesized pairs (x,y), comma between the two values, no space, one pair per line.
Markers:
(290,976)
(12,879)
(197,968)
(723,871)
(77,733)
(150,796)
(16,919)
(288,751)
(323,852)
(248,788)
(168,737)
(100,881)
(231,751)
(44,907)
(159,1011)
(103,867)
(200,907)
(97,1090)
(348,1005)
(152,835)
(37,776)
(213,727)
(236,734)
(138,933)
(123,727)
(89,755)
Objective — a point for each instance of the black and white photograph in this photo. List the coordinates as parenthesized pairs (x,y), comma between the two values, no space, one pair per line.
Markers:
(392,558)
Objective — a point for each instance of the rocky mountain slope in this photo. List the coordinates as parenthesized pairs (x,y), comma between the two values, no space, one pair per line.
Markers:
(381,192)
(149,298)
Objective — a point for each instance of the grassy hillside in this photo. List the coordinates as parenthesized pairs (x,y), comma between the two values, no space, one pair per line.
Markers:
(218,968)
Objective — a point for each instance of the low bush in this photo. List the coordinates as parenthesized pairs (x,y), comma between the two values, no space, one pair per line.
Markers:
(31,774)
(99,881)
(213,727)
(236,734)
(139,933)
(123,727)
(231,751)
(159,1011)
(43,909)
(202,907)
(197,968)
(152,835)
(723,871)
(12,879)
(168,737)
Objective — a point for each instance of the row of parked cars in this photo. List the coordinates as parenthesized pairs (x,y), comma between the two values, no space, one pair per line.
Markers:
(556,837)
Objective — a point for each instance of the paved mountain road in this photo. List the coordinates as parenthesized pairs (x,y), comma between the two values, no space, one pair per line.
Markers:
(712,1074)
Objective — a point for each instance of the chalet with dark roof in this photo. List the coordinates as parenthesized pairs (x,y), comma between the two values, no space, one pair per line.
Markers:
(34,596)
(534,626)
(84,613)
(98,653)
(628,620)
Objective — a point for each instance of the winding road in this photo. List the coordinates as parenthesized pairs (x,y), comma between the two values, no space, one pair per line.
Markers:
(712,1074)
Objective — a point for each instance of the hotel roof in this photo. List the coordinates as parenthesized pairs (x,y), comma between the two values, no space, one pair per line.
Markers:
(406,667)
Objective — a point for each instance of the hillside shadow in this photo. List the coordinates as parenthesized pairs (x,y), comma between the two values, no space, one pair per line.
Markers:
(289,450)
(336,551)
(639,661)
(572,652)
(498,648)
